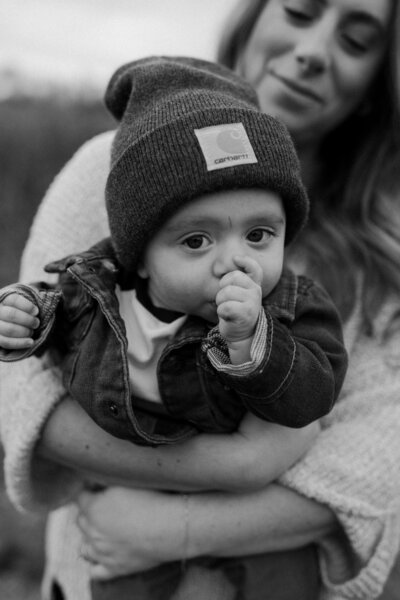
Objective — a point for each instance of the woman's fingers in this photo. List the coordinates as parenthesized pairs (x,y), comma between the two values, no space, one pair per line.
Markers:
(88,554)
(100,572)
(123,539)
(84,500)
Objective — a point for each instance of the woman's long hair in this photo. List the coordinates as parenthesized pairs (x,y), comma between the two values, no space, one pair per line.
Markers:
(354,223)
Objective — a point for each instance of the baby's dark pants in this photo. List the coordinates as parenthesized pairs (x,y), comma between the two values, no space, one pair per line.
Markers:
(274,576)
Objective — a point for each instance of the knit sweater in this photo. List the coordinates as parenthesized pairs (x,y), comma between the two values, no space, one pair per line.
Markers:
(353,467)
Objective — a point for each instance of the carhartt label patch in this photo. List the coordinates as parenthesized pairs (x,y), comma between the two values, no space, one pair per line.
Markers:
(225,146)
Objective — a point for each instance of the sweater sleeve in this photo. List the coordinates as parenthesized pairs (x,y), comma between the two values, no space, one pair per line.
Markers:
(354,469)
(71,217)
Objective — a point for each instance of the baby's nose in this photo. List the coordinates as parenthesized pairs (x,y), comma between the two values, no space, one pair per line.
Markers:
(225,260)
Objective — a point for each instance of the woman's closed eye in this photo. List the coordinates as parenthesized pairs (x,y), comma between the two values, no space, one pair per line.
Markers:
(355,45)
(298,16)
(300,12)
(360,38)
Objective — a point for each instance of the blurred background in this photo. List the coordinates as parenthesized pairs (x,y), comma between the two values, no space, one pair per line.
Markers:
(56,57)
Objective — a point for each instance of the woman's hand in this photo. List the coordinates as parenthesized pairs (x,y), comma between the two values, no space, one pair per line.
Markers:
(127,531)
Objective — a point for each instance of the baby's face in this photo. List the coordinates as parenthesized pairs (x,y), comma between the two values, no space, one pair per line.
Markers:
(197,246)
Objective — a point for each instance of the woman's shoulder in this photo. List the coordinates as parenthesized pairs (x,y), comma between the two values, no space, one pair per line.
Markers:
(95,151)
(81,182)
(98,144)
(85,173)
(72,213)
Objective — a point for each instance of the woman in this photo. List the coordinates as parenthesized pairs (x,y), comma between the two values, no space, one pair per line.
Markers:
(330,71)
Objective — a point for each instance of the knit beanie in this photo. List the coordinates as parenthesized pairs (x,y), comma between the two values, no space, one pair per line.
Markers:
(189,127)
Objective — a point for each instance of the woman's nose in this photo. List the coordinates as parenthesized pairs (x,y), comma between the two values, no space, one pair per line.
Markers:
(310,64)
(313,51)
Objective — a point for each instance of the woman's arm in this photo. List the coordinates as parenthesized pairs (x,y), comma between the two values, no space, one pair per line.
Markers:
(181,527)
(248,459)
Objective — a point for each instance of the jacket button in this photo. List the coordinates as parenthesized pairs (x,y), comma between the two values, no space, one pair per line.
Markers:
(113,408)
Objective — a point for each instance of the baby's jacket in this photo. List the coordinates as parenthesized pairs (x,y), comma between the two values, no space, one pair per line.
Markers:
(298,367)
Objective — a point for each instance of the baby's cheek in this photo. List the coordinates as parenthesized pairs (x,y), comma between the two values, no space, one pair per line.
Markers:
(269,282)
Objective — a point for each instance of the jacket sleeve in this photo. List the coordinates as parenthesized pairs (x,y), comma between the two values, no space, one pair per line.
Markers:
(296,374)
(30,389)
(46,298)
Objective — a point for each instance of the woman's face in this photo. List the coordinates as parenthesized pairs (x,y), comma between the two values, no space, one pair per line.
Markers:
(313,61)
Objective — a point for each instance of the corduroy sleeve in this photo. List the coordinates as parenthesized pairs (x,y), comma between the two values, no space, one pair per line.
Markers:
(30,390)
(354,469)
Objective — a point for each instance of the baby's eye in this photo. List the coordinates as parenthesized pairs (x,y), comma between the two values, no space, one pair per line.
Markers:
(259,235)
(195,242)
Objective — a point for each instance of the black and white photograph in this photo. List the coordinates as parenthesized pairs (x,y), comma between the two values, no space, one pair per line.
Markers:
(200,299)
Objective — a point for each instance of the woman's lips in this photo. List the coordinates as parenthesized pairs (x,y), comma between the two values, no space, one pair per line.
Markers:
(298,88)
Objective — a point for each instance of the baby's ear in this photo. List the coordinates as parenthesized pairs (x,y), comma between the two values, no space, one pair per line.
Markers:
(142,271)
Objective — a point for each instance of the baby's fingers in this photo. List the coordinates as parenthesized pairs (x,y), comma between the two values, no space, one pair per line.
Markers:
(16,310)
(13,342)
(17,322)
(21,303)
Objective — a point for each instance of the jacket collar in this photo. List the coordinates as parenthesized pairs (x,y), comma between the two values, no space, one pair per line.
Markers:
(100,252)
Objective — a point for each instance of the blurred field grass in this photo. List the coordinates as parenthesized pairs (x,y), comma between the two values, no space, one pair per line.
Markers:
(21,552)
(37,138)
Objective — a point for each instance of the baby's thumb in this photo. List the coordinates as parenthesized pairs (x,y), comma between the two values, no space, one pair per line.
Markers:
(251,267)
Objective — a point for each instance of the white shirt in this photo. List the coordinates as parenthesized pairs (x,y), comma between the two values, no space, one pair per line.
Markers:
(147,337)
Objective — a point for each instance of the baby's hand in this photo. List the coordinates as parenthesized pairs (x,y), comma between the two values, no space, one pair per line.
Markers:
(239,300)
(17,321)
